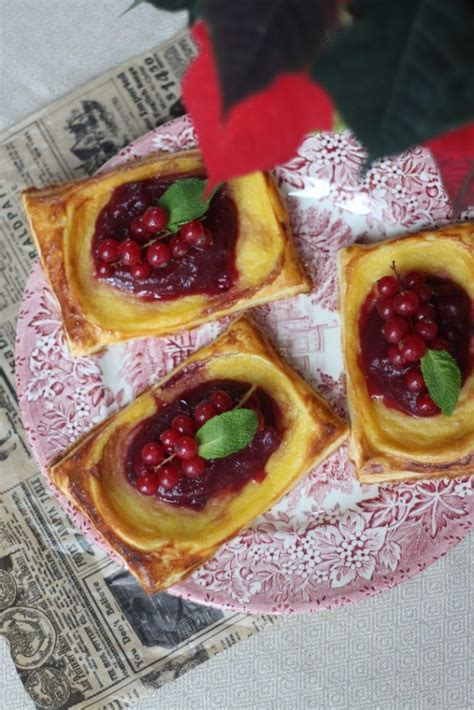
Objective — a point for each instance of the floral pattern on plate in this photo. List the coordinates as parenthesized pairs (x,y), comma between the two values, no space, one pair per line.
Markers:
(330,541)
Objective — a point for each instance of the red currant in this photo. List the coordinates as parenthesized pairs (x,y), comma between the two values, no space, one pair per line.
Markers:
(414,381)
(138,229)
(205,240)
(412,278)
(439,344)
(193,468)
(179,247)
(155,219)
(148,484)
(396,358)
(104,269)
(424,292)
(224,282)
(183,425)
(406,303)
(186,447)
(129,252)
(388,286)
(168,438)
(384,307)
(152,454)
(192,231)
(395,329)
(413,348)
(425,406)
(427,311)
(140,271)
(108,251)
(221,401)
(140,470)
(427,329)
(204,412)
(158,255)
(169,475)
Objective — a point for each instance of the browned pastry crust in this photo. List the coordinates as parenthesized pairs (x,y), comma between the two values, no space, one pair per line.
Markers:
(62,220)
(159,543)
(387,445)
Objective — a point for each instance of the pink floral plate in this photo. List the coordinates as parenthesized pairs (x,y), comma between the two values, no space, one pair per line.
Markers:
(330,541)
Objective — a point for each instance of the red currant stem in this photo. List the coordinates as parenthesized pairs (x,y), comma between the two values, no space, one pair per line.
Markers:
(393,267)
(397,275)
(161,235)
(246,396)
(170,458)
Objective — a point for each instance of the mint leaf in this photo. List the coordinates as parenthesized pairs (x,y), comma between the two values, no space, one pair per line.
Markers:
(184,200)
(226,433)
(443,379)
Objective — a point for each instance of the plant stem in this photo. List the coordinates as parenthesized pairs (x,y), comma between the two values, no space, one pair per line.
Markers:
(157,238)
(246,396)
(402,289)
(397,275)
(170,458)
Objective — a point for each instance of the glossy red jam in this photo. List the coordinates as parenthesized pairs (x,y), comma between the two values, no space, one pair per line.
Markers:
(454,320)
(207,271)
(221,475)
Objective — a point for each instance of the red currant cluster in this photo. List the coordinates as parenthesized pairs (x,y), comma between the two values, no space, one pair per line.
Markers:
(410,327)
(176,453)
(147,250)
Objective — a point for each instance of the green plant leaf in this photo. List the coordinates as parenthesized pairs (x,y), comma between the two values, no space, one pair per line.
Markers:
(402,72)
(255,41)
(226,433)
(184,200)
(443,379)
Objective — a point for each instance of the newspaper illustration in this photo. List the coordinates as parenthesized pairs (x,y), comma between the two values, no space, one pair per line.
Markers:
(81,631)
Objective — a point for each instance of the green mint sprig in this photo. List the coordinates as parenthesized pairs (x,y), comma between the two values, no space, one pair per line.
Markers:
(184,201)
(226,433)
(443,379)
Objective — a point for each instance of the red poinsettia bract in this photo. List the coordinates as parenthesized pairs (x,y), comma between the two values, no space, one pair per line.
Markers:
(454,154)
(261,131)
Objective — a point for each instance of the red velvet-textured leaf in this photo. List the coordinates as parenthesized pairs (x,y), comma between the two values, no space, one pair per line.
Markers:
(454,154)
(261,131)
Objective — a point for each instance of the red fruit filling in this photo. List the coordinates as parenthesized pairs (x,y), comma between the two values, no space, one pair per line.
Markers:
(182,477)
(399,320)
(133,251)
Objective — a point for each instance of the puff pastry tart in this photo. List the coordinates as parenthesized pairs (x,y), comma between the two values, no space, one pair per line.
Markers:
(165,516)
(111,284)
(405,301)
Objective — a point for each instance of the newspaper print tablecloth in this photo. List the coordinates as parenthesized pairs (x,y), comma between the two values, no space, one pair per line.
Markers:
(81,632)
